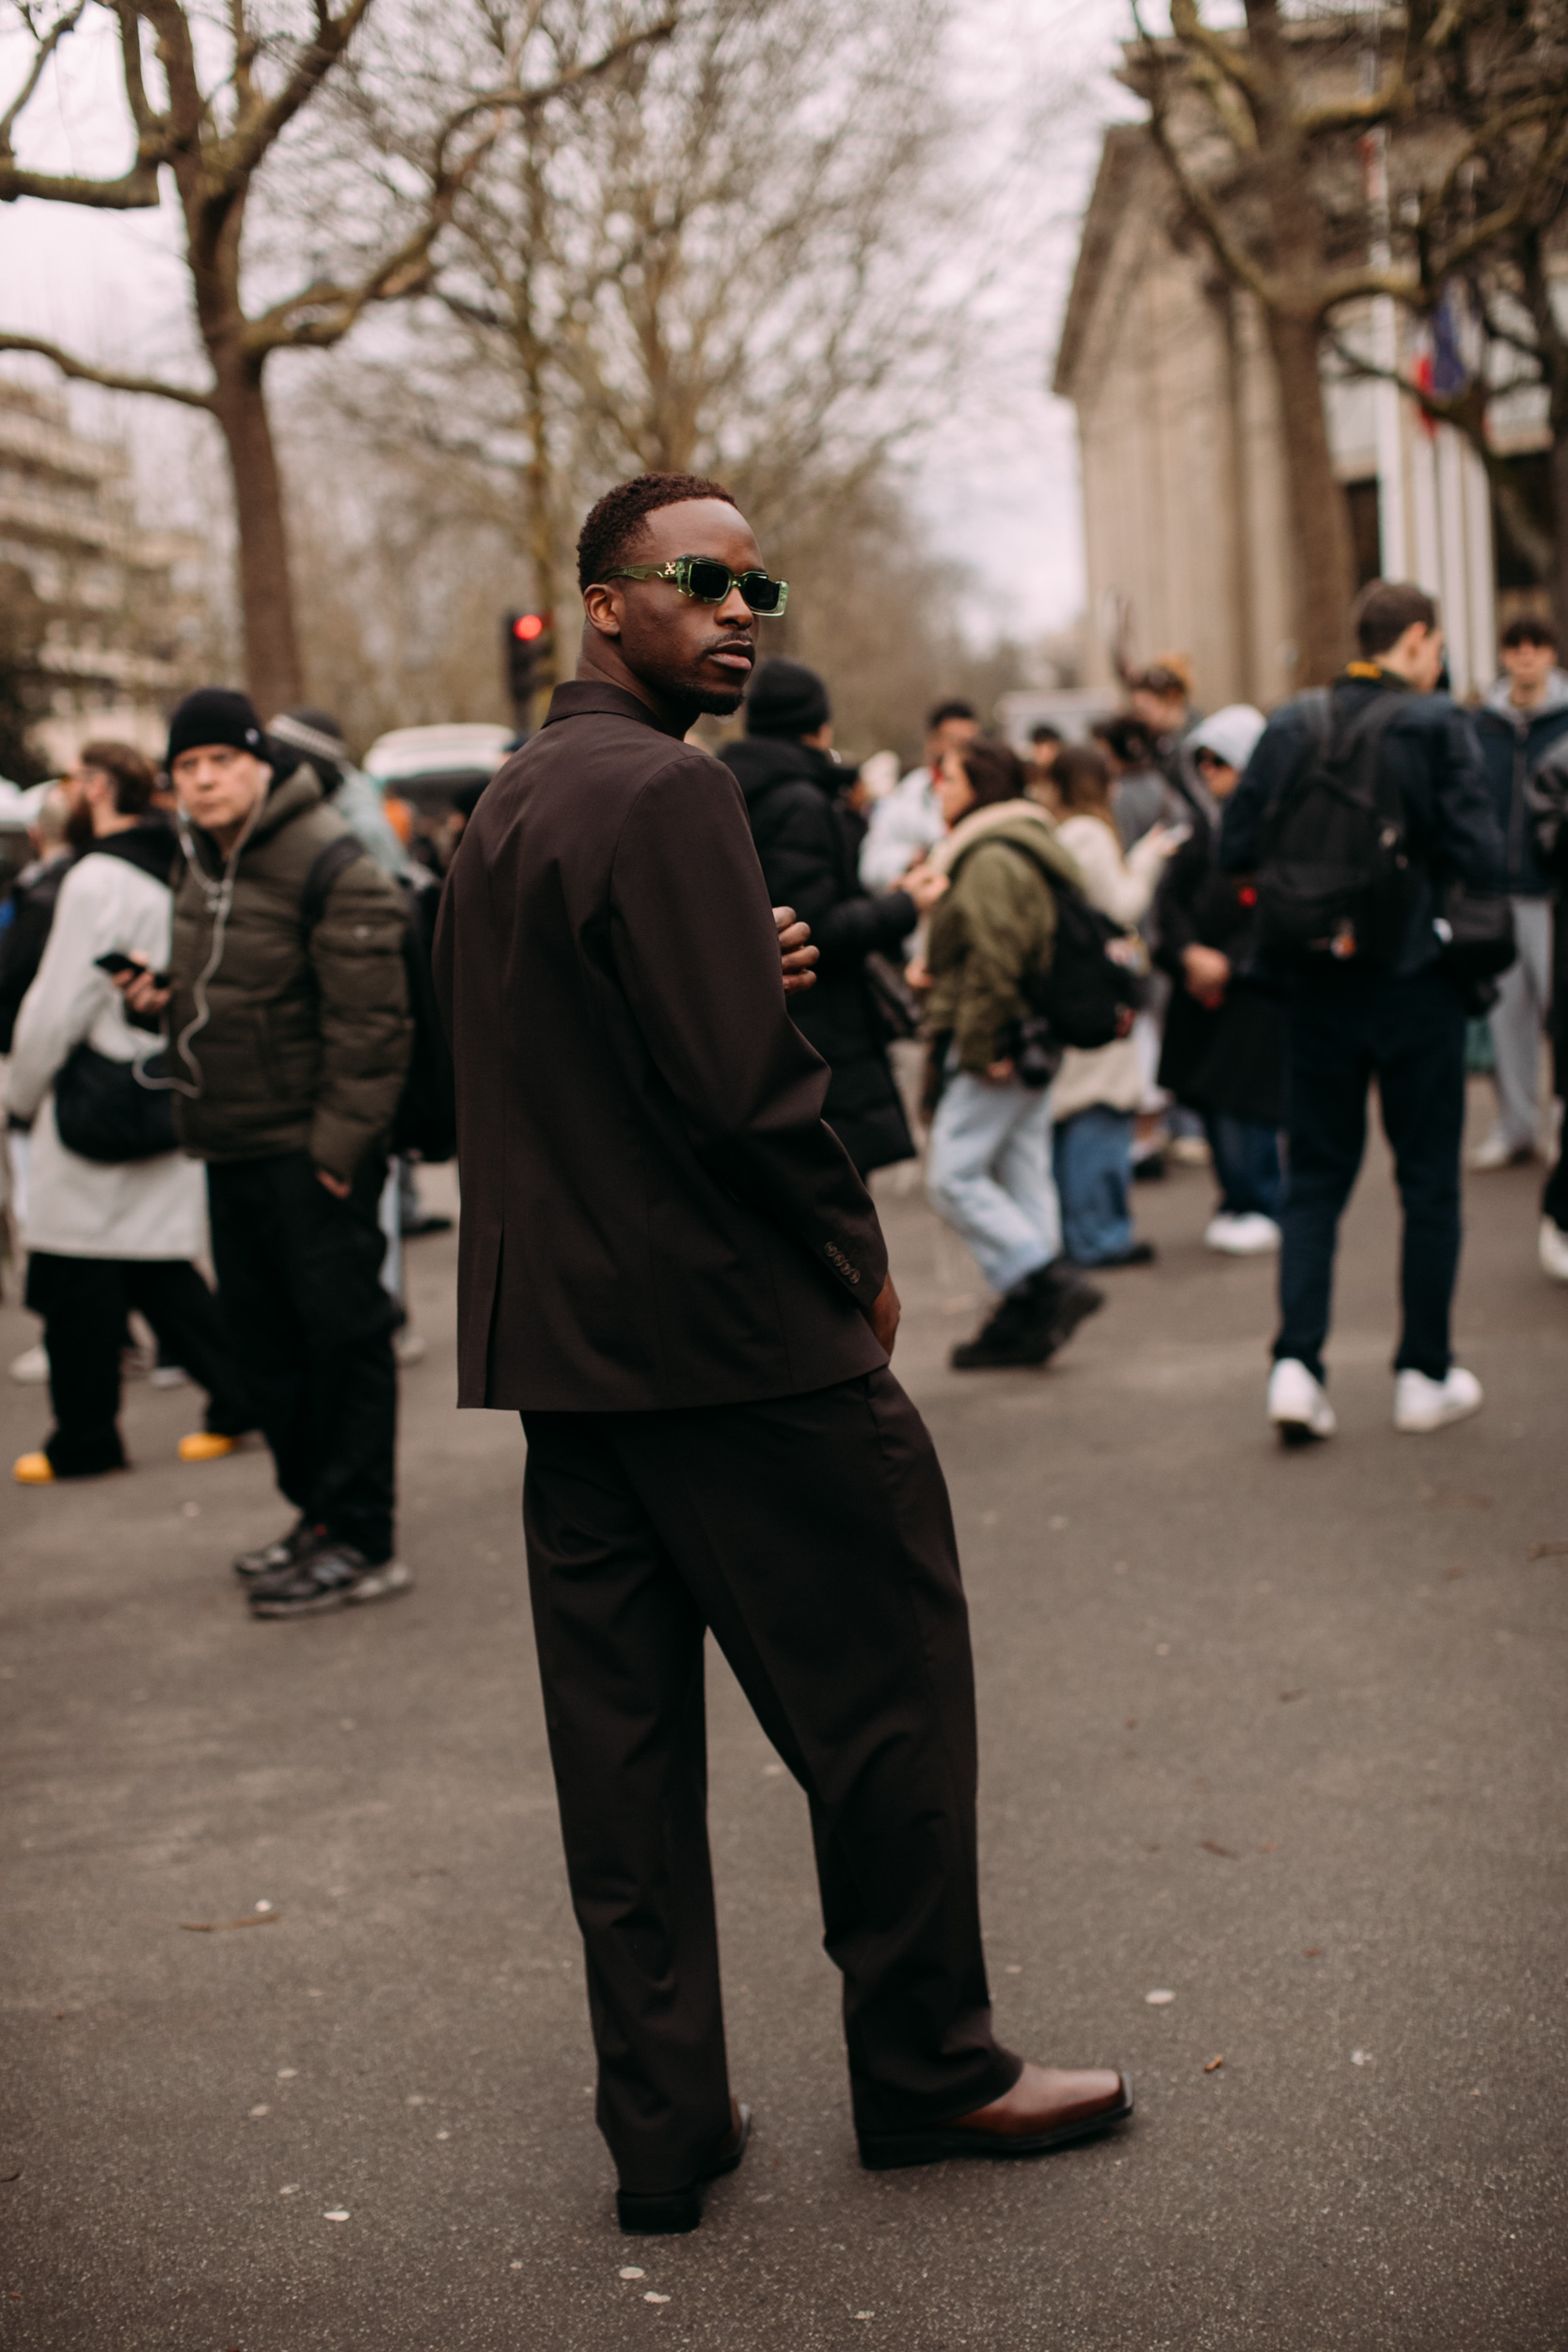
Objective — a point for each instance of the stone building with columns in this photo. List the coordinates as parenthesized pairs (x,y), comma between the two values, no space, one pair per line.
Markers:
(1186,530)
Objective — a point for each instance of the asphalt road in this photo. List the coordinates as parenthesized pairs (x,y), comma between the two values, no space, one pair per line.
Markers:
(1281,1736)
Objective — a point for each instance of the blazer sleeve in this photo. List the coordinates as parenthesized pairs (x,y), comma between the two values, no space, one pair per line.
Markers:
(696,950)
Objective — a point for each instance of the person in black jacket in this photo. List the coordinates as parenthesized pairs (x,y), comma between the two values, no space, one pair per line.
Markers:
(1402,1021)
(808,840)
(1224,1040)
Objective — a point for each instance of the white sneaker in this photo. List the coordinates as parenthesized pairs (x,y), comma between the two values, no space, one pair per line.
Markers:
(1422,1404)
(31,1367)
(1554,1255)
(1497,1152)
(1298,1407)
(1242,1236)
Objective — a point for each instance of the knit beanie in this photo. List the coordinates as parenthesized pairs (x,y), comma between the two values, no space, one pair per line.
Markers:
(786,698)
(216,714)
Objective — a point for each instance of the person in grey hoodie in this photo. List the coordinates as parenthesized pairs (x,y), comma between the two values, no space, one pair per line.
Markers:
(1525,715)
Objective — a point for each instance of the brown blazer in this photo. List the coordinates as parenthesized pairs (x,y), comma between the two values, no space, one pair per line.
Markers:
(653,1213)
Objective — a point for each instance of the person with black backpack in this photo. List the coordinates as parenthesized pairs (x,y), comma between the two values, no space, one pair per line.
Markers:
(289,1042)
(1365,821)
(995,946)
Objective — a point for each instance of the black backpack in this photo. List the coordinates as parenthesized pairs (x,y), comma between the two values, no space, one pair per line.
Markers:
(426,1120)
(1334,878)
(1094,980)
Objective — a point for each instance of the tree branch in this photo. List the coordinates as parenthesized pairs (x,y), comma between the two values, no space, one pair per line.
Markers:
(1233,258)
(46,48)
(1224,56)
(111,381)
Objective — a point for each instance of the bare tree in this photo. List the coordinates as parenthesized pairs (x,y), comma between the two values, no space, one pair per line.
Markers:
(1260,127)
(214,134)
(731,253)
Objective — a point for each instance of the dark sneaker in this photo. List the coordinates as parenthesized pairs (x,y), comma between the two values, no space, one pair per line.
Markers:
(285,1553)
(1032,1322)
(1066,1299)
(331,1575)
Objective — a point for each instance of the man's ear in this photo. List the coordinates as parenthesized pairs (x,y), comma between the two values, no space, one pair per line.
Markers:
(603,607)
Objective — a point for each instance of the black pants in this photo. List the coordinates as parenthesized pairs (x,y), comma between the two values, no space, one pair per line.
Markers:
(1344,1029)
(84,1302)
(299,1280)
(812,1535)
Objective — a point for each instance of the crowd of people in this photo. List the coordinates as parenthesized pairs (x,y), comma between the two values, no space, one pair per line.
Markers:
(206,966)
(1236,1048)
(229,1001)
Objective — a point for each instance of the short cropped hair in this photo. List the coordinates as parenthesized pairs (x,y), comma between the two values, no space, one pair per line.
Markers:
(614,525)
(994,771)
(1045,733)
(940,712)
(131,775)
(1530,629)
(1384,610)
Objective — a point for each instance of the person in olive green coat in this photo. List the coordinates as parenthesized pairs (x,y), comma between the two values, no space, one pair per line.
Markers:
(288,1042)
(988,1169)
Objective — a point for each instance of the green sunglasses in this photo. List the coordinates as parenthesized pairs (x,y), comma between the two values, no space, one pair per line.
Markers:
(707,581)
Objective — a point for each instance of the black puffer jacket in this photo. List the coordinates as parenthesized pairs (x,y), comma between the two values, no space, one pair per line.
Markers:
(808,842)
(1227,1057)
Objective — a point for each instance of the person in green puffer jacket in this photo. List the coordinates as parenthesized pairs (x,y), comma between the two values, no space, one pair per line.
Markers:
(289,1040)
(987,1170)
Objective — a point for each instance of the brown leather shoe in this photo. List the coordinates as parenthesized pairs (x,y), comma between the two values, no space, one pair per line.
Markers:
(1048,2107)
(670,2212)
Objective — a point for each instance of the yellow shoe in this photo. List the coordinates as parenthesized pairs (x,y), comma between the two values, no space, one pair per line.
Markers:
(202,1446)
(34,1469)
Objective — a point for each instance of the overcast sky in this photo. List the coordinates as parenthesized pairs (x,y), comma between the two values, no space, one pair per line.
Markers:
(998,485)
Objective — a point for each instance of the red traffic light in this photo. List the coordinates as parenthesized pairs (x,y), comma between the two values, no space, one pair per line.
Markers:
(528,626)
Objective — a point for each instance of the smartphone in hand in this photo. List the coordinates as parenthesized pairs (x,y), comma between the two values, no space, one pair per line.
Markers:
(120,967)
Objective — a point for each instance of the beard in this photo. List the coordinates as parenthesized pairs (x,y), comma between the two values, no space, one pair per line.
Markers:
(687,694)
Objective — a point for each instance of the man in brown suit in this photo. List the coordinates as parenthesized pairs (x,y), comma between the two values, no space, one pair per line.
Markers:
(671,1269)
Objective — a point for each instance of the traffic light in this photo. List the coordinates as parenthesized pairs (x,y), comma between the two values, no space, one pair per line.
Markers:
(529,645)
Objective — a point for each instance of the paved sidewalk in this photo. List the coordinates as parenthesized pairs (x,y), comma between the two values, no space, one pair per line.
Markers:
(1281,1736)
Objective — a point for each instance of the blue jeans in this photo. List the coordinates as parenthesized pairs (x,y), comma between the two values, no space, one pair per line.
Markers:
(1246,1164)
(1094,1172)
(988,1173)
(1344,1029)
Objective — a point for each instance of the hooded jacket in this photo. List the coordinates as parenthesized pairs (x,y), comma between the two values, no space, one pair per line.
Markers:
(278,1043)
(1513,745)
(807,843)
(996,927)
(114,899)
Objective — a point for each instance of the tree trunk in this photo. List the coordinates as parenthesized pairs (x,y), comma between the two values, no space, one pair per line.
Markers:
(1559,581)
(266,593)
(1320,524)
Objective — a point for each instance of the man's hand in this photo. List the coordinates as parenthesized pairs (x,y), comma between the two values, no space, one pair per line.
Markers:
(884,1315)
(139,990)
(335,1184)
(796,956)
(1207,973)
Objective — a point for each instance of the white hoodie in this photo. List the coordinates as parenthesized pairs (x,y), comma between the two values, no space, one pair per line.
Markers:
(79,1208)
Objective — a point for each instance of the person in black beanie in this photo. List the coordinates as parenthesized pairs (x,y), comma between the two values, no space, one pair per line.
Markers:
(808,839)
(289,1042)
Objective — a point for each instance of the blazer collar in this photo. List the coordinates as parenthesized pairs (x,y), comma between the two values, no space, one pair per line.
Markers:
(583,697)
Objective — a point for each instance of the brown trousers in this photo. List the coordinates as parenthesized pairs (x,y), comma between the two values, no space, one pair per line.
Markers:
(812,1533)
